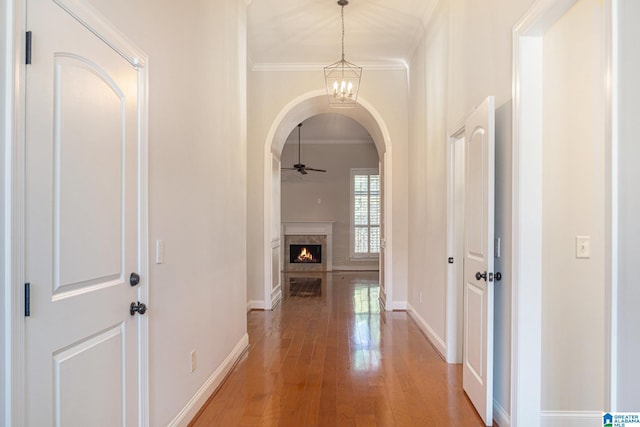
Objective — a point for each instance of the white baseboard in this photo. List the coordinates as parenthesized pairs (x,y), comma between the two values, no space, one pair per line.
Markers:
(570,419)
(396,305)
(500,415)
(192,407)
(255,305)
(431,335)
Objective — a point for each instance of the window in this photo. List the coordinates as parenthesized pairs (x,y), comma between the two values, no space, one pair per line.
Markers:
(365,213)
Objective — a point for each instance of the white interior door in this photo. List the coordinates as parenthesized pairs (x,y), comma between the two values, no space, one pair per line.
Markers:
(81,226)
(477,364)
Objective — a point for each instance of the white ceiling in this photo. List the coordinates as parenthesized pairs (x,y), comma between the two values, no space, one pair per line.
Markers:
(308,31)
(330,129)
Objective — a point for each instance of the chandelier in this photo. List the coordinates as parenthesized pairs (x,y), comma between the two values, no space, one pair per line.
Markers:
(342,78)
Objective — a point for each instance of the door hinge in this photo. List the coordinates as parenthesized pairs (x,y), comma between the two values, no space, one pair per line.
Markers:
(27,58)
(450,260)
(27,299)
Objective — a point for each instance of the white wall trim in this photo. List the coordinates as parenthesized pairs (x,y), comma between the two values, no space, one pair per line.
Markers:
(13,170)
(396,305)
(330,142)
(500,415)
(185,416)
(93,21)
(143,237)
(453,298)
(432,336)
(386,246)
(570,419)
(526,347)
(611,215)
(526,330)
(292,66)
(254,305)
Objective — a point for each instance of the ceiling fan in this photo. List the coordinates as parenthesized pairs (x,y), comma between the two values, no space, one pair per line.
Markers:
(300,167)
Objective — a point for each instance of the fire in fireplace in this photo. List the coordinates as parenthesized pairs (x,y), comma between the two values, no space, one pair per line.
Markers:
(310,254)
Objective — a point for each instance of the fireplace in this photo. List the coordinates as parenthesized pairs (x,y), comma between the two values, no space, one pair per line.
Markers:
(316,237)
(305,254)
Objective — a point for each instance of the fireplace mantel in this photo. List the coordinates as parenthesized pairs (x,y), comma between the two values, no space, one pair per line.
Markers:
(307,227)
(312,228)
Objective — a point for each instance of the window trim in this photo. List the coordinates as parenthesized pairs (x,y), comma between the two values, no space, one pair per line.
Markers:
(369,256)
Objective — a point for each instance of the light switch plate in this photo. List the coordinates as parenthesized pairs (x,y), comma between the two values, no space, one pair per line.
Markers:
(583,246)
(159,251)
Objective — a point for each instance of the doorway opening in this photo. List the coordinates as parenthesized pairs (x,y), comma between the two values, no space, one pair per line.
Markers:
(455,244)
(301,108)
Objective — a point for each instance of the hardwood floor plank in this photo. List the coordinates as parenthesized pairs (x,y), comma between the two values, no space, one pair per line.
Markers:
(334,359)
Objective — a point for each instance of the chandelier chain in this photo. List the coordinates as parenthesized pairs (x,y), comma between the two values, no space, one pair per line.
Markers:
(342,17)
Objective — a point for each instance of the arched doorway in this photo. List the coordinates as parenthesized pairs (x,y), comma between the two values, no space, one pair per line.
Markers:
(295,112)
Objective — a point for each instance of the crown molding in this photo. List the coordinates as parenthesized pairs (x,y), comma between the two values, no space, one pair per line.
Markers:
(396,65)
(329,141)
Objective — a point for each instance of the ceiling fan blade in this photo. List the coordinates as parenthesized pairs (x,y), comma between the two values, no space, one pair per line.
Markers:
(316,170)
(302,171)
(288,169)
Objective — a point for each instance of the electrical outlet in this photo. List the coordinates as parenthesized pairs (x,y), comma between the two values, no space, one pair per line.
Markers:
(193,360)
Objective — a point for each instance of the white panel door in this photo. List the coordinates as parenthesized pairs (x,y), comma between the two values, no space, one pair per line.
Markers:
(81,226)
(477,370)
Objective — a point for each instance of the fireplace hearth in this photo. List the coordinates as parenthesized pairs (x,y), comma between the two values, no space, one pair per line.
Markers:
(305,254)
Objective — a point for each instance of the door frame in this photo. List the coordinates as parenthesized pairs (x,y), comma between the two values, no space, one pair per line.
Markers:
(526,332)
(455,231)
(13,225)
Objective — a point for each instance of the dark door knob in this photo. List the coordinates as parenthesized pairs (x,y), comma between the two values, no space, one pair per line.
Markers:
(139,307)
(481,276)
(134,279)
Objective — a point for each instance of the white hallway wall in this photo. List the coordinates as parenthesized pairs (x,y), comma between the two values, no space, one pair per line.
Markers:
(197,186)
(573,162)
(268,93)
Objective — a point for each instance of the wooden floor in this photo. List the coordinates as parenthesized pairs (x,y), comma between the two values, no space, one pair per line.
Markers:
(328,356)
